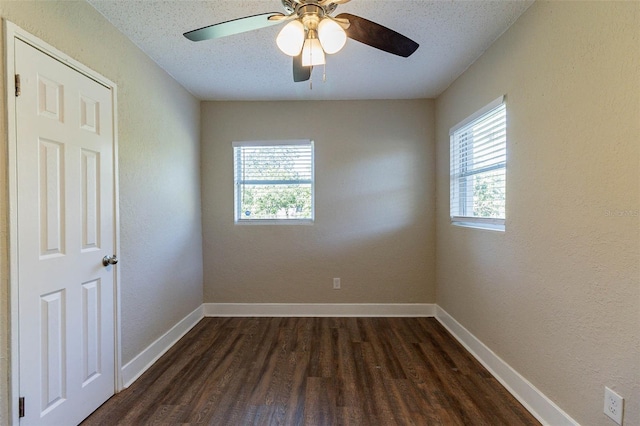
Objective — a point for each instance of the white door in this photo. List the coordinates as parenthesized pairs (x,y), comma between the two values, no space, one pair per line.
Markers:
(65,228)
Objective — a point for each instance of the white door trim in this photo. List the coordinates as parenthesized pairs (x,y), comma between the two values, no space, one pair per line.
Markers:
(12,32)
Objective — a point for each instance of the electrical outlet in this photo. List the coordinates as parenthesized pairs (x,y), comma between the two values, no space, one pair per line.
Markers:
(336,283)
(613,405)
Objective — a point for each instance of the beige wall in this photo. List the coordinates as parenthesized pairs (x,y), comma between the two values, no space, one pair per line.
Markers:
(158,130)
(374,227)
(557,295)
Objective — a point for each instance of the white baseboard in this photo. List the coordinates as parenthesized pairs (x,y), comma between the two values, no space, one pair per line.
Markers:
(319,310)
(145,359)
(545,410)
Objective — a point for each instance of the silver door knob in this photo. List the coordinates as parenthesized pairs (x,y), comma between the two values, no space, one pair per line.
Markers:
(109,260)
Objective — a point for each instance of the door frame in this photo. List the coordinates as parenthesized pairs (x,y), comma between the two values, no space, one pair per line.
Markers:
(11,33)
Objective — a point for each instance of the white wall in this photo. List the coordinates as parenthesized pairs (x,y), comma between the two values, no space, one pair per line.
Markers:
(557,295)
(374,226)
(158,130)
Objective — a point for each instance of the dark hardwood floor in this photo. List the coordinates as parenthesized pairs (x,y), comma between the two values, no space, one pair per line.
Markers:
(315,371)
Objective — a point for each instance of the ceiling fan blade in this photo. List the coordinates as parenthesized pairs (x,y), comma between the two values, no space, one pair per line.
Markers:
(300,73)
(375,35)
(235,26)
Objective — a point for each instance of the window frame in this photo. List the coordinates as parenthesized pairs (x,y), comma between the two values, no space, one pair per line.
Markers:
(490,223)
(237,191)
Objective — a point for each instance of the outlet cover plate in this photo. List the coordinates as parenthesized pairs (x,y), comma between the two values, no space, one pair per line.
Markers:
(613,405)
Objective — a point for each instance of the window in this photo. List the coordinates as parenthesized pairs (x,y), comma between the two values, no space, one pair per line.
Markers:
(478,166)
(273,181)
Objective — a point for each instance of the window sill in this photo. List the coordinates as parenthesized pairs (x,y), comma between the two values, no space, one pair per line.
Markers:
(480,225)
(253,222)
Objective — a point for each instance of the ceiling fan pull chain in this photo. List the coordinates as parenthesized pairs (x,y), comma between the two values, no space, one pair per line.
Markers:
(324,73)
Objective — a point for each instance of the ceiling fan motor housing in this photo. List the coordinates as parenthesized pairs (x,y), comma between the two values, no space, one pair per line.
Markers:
(294,6)
(310,15)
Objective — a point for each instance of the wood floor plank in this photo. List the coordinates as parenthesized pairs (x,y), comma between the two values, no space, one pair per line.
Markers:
(345,375)
(320,407)
(315,371)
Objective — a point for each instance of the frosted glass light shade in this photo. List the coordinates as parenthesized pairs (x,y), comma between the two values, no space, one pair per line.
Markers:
(291,38)
(331,35)
(312,53)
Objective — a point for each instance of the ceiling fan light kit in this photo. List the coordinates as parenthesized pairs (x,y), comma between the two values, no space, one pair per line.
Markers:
(291,38)
(312,53)
(312,32)
(331,35)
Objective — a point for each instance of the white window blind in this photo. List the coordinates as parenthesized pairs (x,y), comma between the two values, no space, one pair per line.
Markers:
(478,167)
(273,181)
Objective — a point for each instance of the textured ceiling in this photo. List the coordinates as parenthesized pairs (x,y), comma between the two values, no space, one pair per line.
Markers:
(452,34)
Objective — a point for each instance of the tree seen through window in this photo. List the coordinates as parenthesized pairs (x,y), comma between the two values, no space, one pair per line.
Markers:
(274,181)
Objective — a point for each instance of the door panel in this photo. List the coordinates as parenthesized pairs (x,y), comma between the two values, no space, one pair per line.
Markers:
(65,227)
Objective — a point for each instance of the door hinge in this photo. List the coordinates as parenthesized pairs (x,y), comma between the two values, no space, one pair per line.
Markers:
(21,406)
(17,85)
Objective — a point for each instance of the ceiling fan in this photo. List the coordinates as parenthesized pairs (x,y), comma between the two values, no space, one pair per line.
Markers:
(311,32)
